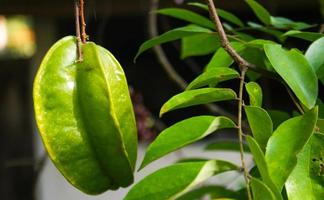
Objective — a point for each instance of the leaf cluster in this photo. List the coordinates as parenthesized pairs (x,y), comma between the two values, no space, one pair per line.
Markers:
(288,151)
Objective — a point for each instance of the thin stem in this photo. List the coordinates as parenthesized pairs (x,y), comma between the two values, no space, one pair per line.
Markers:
(295,100)
(84,35)
(77,32)
(243,65)
(240,132)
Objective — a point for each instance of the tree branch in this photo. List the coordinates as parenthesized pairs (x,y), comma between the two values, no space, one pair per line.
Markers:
(243,65)
(167,66)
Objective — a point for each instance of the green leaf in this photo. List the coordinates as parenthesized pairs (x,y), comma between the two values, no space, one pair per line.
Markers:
(175,180)
(293,67)
(172,35)
(226,145)
(260,190)
(198,45)
(277,34)
(286,142)
(222,13)
(211,190)
(277,117)
(213,77)
(320,108)
(314,55)
(255,93)
(197,97)
(260,123)
(309,36)
(260,162)
(285,23)
(184,133)
(307,178)
(188,16)
(230,17)
(258,43)
(222,59)
(263,15)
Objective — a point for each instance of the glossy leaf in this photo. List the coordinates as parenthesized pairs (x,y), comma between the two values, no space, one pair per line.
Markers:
(314,55)
(260,123)
(198,45)
(222,13)
(211,191)
(286,142)
(260,162)
(213,77)
(221,57)
(255,93)
(309,36)
(197,97)
(226,145)
(293,67)
(175,180)
(263,15)
(260,190)
(184,133)
(188,16)
(172,35)
(307,180)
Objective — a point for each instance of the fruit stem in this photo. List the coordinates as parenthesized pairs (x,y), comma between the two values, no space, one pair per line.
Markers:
(77,31)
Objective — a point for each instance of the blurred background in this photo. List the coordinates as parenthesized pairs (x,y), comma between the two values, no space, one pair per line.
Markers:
(29,28)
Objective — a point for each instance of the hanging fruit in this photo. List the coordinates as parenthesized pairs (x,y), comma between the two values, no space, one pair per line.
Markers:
(85,116)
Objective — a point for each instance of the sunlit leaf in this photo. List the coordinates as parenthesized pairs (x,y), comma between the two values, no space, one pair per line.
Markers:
(307,179)
(286,142)
(293,67)
(172,35)
(222,59)
(314,55)
(309,36)
(197,97)
(260,190)
(188,16)
(260,162)
(260,123)
(198,45)
(175,180)
(255,93)
(263,15)
(184,133)
(213,76)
